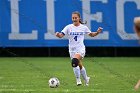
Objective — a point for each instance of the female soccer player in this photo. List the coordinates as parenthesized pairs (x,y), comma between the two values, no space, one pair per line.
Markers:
(76,32)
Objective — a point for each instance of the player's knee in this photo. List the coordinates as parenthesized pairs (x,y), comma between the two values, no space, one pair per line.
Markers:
(75,62)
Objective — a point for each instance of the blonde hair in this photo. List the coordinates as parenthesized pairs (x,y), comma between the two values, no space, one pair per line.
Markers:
(137,23)
(137,20)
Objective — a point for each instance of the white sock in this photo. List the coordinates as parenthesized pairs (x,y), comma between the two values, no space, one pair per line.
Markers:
(76,71)
(83,73)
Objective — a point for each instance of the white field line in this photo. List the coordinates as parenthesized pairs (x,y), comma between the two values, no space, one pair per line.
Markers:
(61,90)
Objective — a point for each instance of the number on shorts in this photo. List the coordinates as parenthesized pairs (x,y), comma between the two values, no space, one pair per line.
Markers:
(75,38)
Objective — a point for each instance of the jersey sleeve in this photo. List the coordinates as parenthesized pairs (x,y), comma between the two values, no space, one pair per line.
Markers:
(87,31)
(65,30)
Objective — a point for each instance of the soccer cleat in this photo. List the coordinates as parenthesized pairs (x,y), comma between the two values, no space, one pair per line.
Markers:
(79,82)
(87,81)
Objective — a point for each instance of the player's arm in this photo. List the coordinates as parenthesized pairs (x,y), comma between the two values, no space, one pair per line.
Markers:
(92,34)
(137,85)
(60,35)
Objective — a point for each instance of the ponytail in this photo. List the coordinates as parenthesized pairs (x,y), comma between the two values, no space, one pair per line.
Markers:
(83,22)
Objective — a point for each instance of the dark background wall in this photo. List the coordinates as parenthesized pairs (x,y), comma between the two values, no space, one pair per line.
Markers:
(63,52)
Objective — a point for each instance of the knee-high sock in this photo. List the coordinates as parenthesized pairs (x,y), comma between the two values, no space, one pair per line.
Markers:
(76,71)
(83,73)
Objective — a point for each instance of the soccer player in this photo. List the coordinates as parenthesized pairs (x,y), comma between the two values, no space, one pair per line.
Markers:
(137,30)
(137,26)
(76,32)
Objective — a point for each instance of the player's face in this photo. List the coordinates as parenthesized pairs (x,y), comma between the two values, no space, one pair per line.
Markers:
(75,19)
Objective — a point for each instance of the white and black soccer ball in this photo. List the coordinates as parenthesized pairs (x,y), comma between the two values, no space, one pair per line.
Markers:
(54,82)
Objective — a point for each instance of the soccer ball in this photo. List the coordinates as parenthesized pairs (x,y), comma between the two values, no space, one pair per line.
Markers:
(54,82)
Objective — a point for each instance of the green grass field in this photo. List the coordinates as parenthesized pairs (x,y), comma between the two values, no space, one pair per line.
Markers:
(31,75)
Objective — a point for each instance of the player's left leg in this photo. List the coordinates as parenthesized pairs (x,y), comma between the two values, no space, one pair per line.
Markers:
(84,73)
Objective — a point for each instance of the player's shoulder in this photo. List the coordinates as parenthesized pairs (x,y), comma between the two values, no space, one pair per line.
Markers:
(83,26)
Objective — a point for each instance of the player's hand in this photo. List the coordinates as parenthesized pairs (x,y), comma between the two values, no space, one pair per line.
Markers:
(57,34)
(99,30)
(137,86)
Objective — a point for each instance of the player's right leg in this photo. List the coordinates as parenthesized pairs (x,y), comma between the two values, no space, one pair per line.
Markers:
(76,68)
(82,68)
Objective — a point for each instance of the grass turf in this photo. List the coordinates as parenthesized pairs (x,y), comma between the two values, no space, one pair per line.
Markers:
(31,75)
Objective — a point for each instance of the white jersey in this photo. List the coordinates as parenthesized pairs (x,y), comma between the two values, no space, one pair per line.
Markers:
(76,36)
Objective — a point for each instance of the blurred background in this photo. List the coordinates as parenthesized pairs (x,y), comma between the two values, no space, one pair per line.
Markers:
(27,27)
